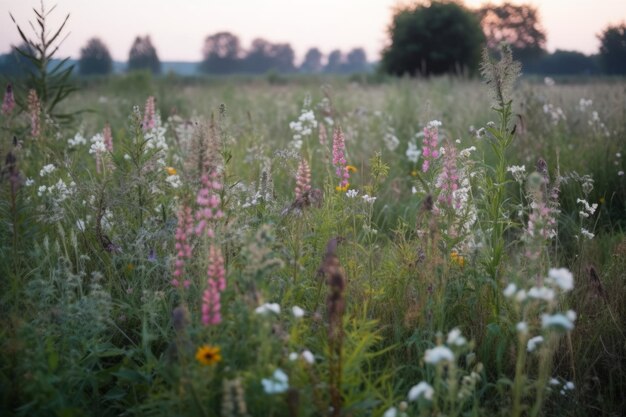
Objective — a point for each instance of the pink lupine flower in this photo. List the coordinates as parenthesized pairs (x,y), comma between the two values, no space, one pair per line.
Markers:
(8,104)
(183,247)
(303,178)
(216,283)
(208,200)
(339,159)
(108,137)
(430,143)
(34,110)
(149,121)
(448,180)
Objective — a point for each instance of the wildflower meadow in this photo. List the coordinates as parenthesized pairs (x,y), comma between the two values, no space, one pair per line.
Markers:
(314,246)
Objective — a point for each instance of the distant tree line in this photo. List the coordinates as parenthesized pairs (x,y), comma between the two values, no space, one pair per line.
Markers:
(425,38)
(223,54)
(437,37)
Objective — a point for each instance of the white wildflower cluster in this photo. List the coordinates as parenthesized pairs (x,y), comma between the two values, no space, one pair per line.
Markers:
(97,145)
(518,172)
(391,140)
(584,104)
(433,124)
(556,113)
(559,280)
(598,125)
(77,140)
(173,181)
(413,152)
(306,355)
(549,81)
(368,199)
(47,169)
(278,383)
(268,308)
(155,140)
(297,312)
(588,209)
(465,153)
(352,193)
(303,127)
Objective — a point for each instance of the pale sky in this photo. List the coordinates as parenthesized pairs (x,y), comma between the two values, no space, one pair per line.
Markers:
(178,27)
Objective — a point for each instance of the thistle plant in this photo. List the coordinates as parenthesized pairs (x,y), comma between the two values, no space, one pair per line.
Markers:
(500,76)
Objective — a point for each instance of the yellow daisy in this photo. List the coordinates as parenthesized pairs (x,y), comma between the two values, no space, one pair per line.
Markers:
(170,170)
(208,355)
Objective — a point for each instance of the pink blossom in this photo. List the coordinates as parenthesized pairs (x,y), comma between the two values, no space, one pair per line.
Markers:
(448,180)
(183,247)
(216,283)
(148,115)
(208,200)
(303,178)
(108,137)
(339,158)
(430,143)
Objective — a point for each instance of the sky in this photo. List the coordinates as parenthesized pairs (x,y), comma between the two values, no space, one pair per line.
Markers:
(178,27)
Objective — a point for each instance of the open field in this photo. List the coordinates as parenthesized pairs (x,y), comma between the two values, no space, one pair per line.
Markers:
(316,246)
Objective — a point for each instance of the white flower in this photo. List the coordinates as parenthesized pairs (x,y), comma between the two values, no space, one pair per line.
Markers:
(41,190)
(620,173)
(77,140)
(455,337)
(293,356)
(571,315)
(368,199)
(569,385)
(29,182)
(391,412)
(562,277)
(509,291)
(127,157)
(554,381)
(520,296)
(297,312)
(434,123)
(541,293)
(533,342)
(277,383)
(465,153)
(308,357)
(423,389)
(47,169)
(268,308)
(586,233)
(518,172)
(391,141)
(80,225)
(522,327)
(557,320)
(438,354)
(352,193)
(413,153)
(173,181)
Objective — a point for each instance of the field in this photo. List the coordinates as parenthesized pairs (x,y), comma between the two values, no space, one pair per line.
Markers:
(316,246)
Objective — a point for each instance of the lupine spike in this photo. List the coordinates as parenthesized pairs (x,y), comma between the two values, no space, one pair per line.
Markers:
(8,104)
(149,120)
(339,159)
(34,110)
(303,178)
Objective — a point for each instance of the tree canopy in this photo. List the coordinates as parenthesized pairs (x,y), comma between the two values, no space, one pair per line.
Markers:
(613,49)
(435,38)
(143,55)
(517,25)
(95,58)
(222,53)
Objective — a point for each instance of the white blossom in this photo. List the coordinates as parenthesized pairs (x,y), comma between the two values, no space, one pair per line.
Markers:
(277,383)
(423,389)
(438,354)
(533,342)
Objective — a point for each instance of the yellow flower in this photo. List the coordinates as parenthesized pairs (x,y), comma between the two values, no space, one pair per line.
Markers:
(457,258)
(414,173)
(602,200)
(351,168)
(344,188)
(208,355)
(170,170)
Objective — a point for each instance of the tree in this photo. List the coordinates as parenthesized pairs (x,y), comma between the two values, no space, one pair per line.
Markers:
(265,56)
(335,61)
(356,61)
(95,58)
(517,25)
(312,61)
(564,63)
(143,56)
(222,53)
(432,39)
(613,49)
(14,64)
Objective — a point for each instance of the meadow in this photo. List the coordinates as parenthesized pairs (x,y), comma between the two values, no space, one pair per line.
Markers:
(303,246)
